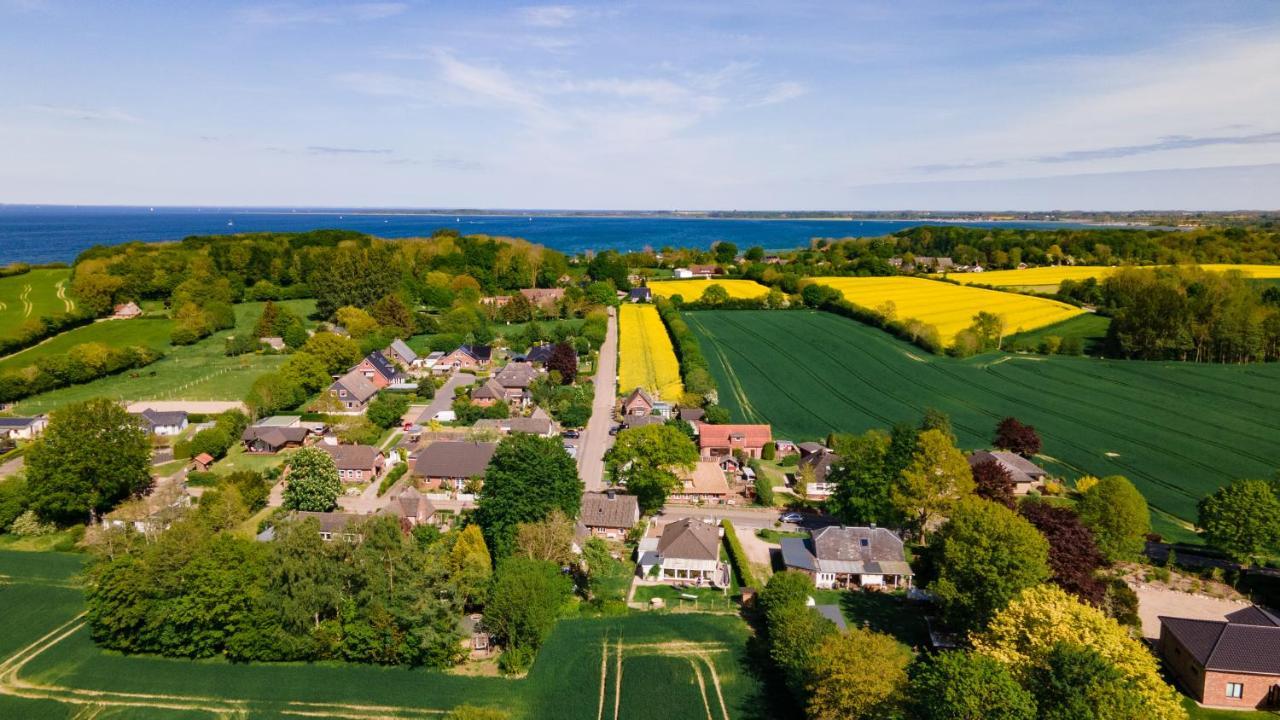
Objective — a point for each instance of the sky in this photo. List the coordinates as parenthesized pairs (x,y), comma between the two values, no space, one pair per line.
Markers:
(762,105)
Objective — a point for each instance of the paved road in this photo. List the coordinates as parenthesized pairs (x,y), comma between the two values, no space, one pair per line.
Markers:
(596,440)
(444,396)
(746,517)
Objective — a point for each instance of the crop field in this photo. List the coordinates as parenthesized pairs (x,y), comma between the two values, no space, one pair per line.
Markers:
(589,669)
(1177,430)
(646,358)
(42,291)
(189,372)
(147,332)
(950,308)
(1050,277)
(691,290)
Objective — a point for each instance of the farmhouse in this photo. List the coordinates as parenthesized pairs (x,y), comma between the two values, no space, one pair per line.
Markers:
(163,423)
(466,357)
(401,353)
(717,441)
(609,514)
(126,311)
(356,463)
(1232,663)
(354,391)
(687,551)
(1026,475)
(450,464)
(22,428)
(849,557)
(637,403)
(704,483)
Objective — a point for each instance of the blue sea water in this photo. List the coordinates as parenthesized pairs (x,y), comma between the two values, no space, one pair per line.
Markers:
(38,234)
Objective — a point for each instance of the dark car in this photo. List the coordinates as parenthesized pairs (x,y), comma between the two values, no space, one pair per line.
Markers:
(571,434)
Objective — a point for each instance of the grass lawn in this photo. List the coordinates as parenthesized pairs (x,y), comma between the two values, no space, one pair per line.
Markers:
(707,598)
(147,332)
(882,612)
(60,541)
(190,372)
(33,294)
(775,536)
(237,459)
(1195,712)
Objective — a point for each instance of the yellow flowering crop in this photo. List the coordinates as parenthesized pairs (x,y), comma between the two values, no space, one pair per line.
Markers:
(1050,277)
(691,290)
(646,358)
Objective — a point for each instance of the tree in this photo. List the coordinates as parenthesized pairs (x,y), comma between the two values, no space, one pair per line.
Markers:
(1024,633)
(784,591)
(526,599)
(1074,682)
(392,313)
(858,674)
(862,479)
(1074,557)
(470,565)
(992,482)
(989,329)
(313,484)
(92,455)
(985,555)
(387,409)
(724,252)
(267,322)
(564,360)
(962,685)
(1242,519)
(357,322)
(715,294)
(935,419)
(1015,437)
(549,539)
(936,479)
(1118,516)
(337,353)
(646,458)
(527,478)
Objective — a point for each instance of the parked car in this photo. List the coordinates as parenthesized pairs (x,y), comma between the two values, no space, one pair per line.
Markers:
(571,434)
(792,517)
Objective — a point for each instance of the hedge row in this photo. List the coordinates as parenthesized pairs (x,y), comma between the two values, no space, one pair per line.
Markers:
(738,557)
(37,330)
(694,370)
(82,363)
(899,328)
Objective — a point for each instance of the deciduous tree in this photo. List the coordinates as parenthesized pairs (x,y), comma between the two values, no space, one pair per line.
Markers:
(522,608)
(312,483)
(1074,682)
(1118,516)
(992,482)
(470,565)
(937,478)
(527,478)
(961,685)
(1013,436)
(1074,557)
(857,674)
(564,360)
(647,458)
(1242,519)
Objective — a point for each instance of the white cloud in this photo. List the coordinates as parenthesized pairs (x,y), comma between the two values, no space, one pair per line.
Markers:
(549,16)
(781,93)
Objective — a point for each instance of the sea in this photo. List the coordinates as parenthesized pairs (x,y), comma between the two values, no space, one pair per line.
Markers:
(42,234)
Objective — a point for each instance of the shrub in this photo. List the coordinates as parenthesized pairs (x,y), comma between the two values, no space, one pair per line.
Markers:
(28,525)
(737,556)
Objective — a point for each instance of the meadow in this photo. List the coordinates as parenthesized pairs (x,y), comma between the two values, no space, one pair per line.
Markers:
(40,292)
(691,290)
(190,372)
(147,332)
(949,308)
(646,357)
(589,668)
(1048,278)
(1178,430)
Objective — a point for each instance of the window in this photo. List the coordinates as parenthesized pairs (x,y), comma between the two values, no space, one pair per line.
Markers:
(863,542)
(1235,690)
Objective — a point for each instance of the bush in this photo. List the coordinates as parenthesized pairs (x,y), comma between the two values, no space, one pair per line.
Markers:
(694,369)
(28,525)
(390,478)
(769,451)
(202,479)
(738,557)
(52,372)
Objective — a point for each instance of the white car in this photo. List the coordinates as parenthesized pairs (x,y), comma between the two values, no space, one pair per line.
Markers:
(792,517)
(446,416)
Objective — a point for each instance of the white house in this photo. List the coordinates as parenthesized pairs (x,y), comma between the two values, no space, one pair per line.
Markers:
(683,273)
(23,428)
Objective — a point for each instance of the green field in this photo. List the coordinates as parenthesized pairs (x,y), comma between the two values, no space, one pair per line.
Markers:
(1178,430)
(190,372)
(147,332)
(1091,328)
(33,294)
(586,669)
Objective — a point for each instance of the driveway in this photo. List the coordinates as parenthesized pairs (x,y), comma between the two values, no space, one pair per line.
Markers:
(596,440)
(444,396)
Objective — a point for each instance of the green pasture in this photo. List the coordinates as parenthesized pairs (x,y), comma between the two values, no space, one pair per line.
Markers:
(565,682)
(1177,430)
(190,372)
(40,292)
(146,332)
(1091,328)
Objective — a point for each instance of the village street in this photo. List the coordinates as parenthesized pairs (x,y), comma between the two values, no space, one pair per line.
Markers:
(596,440)
(443,399)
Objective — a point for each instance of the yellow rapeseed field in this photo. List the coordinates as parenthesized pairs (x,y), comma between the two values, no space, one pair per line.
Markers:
(950,308)
(646,359)
(1050,277)
(692,290)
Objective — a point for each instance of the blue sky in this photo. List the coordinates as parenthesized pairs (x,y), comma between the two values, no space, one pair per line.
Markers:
(643,105)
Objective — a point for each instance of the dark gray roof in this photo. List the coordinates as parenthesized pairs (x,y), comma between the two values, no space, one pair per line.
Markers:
(847,550)
(403,351)
(539,353)
(385,367)
(692,415)
(832,613)
(821,462)
(274,436)
(640,293)
(481,353)
(796,554)
(690,539)
(454,459)
(635,421)
(1228,646)
(357,386)
(599,510)
(516,375)
(1019,468)
(16,422)
(809,448)
(160,418)
(330,522)
(1254,615)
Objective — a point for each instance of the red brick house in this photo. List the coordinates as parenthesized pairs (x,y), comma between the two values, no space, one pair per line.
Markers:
(466,357)
(717,441)
(637,403)
(450,464)
(356,463)
(1232,663)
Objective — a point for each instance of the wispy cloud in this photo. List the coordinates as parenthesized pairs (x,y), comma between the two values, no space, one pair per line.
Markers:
(330,150)
(282,14)
(109,114)
(781,93)
(549,16)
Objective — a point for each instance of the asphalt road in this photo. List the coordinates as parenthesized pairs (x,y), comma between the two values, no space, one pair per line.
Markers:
(746,517)
(444,396)
(596,440)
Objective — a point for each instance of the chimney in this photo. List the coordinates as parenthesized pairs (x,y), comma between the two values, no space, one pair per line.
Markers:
(611,493)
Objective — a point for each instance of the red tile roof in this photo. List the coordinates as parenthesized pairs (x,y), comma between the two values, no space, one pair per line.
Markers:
(745,436)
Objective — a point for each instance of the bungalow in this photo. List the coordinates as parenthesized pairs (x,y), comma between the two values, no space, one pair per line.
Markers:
(378,370)
(545,298)
(704,483)
(450,464)
(412,508)
(692,415)
(717,441)
(152,514)
(23,428)
(356,463)
(163,423)
(334,525)
(637,403)
(609,514)
(126,311)
(849,557)
(354,391)
(1026,475)
(466,357)
(640,294)
(635,421)
(819,464)
(268,439)
(1231,663)
(687,551)
(540,424)
(401,353)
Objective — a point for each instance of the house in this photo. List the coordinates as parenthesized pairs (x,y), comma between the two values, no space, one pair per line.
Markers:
(545,298)
(539,355)
(716,441)
(466,357)
(23,428)
(637,403)
(934,264)
(640,294)
(515,379)
(609,514)
(785,447)
(412,508)
(849,557)
(636,421)
(202,462)
(450,464)
(704,483)
(687,551)
(1026,475)
(704,271)
(489,394)
(354,391)
(127,311)
(401,353)
(164,423)
(432,359)
(275,343)
(334,525)
(378,370)
(1231,663)
(496,301)
(692,415)
(152,514)
(356,463)
(683,273)
(269,439)
(820,464)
